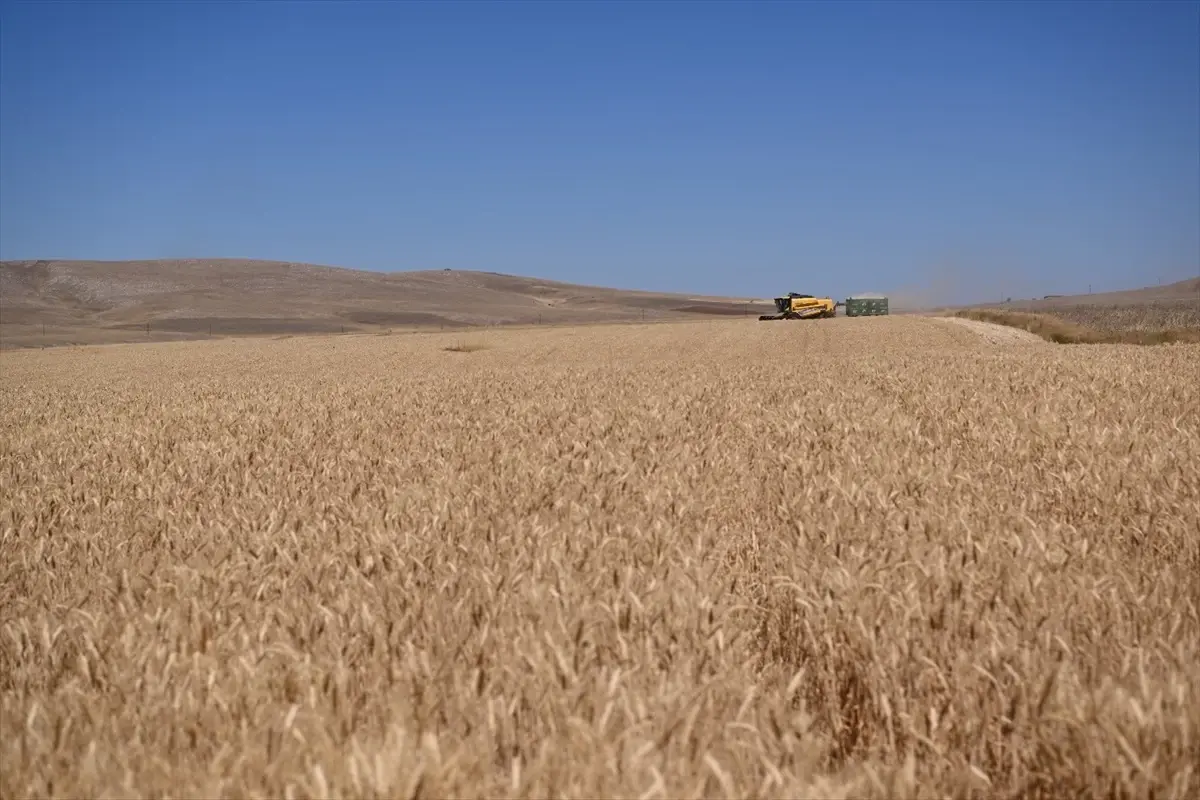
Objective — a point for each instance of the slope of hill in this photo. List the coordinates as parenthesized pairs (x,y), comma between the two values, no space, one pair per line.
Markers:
(59,302)
(1180,291)
(1174,306)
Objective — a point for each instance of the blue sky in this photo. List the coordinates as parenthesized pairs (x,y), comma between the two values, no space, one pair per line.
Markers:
(746,148)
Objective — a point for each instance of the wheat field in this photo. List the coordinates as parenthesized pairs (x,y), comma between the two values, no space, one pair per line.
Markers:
(874,557)
(1157,316)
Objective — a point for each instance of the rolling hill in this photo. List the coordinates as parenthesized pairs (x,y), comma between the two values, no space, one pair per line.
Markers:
(1186,291)
(1170,307)
(50,302)
(61,302)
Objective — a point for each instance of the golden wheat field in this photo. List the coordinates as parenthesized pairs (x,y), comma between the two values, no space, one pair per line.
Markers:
(1165,315)
(875,557)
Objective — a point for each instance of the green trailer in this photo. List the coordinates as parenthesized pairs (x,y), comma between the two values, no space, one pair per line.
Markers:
(866,306)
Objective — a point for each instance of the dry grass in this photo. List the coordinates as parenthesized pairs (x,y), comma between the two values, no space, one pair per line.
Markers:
(867,558)
(1117,325)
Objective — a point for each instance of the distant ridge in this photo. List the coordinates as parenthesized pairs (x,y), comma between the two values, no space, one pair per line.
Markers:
(136,300)
(1184,291)
(49,301)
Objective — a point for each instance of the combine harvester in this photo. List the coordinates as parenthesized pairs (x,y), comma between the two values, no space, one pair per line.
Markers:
(802,306)
(806,306)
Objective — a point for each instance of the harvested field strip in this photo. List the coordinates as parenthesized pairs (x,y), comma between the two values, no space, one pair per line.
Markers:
(635,561)
(996,334)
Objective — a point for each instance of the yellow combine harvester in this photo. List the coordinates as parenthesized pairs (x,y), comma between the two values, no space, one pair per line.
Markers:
(802,306)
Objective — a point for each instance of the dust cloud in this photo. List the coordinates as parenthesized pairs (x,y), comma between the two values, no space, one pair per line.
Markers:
(958,281)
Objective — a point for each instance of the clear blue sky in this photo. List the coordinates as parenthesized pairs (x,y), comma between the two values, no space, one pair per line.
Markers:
(735,148)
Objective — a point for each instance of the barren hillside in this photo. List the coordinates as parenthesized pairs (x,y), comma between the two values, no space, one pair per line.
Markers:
(1185,291)
(1173,306)
(58,302)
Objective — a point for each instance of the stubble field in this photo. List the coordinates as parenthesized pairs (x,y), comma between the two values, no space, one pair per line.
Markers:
(879,557)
